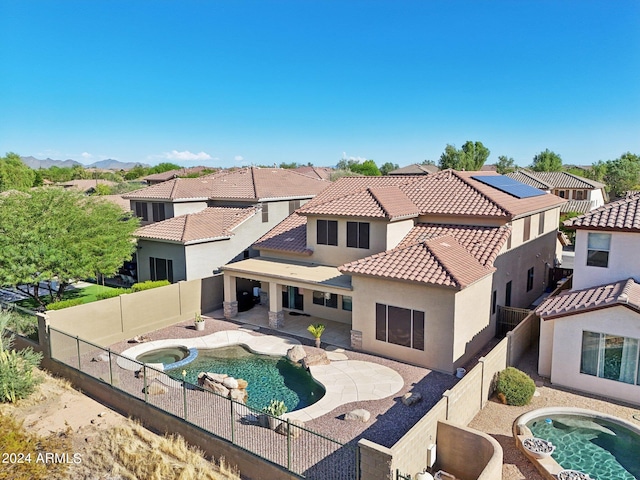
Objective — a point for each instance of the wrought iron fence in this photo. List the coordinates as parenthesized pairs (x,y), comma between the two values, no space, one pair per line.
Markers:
(298,449)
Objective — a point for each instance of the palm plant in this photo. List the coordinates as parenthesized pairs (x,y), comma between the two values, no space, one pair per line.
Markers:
(316,330)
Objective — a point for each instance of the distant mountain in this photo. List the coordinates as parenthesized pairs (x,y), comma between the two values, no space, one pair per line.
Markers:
(48,162)
(108,164)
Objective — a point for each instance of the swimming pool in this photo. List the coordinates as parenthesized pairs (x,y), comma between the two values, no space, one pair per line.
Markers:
(604,447)
(269,377)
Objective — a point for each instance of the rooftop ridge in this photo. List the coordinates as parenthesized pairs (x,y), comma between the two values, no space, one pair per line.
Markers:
(445,263)
(466,181)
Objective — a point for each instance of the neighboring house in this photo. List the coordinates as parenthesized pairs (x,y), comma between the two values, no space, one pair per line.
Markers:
(193,226)
(322,173)
(416,265)
(415,169)
(156,178)
(118,200)
(583,194)
(86,186)
(590,335)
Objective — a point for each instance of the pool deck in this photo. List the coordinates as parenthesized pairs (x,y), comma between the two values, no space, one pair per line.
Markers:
(344,380)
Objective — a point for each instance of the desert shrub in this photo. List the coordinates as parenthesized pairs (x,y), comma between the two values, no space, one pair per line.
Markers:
(515,387)
(72,302)
(23,324)
(112,293)
(17,379)
(149,284)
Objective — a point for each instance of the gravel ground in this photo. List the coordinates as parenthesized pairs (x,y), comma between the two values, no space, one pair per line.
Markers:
(497,419)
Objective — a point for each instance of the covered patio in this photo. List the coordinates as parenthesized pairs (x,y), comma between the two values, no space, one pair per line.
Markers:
(293,295)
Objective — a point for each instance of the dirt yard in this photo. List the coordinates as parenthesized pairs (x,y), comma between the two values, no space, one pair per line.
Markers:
(103,445)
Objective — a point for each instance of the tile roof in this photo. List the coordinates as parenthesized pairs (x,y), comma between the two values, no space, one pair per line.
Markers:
(555,179)
(210,223)
(85,185)
(290,235)
(243,184)
(168,175)
(622,215)
(530,179)
(625,293)
(483,243)
(322,173)
(415,169)
(438,261)
(580,206)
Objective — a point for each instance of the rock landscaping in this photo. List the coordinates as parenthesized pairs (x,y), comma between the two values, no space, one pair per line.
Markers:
(359,415)
(538,447)
(572,475)
(224,385)
(411,398)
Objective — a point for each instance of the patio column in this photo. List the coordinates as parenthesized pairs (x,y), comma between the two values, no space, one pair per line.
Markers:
(230,304)
(276,315)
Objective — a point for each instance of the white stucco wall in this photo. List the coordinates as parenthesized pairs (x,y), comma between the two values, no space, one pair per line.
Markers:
(545,349)
(182,208)
(396,231)
(567,348)
(597,197)
(624,260)
(168,251)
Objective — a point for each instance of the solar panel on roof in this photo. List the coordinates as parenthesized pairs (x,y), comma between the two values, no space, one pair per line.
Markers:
(509,185)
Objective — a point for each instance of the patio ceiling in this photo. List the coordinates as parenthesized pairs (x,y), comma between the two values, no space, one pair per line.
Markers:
(291,273)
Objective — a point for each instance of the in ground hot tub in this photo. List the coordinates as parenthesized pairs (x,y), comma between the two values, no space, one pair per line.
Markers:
(169,357)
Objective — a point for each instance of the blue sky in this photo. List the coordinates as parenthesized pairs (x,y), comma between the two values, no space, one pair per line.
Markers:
(260,82)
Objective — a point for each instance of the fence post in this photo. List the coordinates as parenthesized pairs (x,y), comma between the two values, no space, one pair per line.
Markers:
(184,396)
(110,368)
(78,345)
(233,429)
(288,445)
(144,381)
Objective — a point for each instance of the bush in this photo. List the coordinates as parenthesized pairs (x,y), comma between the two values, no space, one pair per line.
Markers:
(149,284)
(515,386)
(112,293)
(72,302)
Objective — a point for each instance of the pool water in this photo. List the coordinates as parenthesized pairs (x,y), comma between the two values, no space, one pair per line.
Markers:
(604,450)
(164,355)
(269,377)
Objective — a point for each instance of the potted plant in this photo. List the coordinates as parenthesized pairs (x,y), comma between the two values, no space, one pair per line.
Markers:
(198,322)
(275,410)
(316,330)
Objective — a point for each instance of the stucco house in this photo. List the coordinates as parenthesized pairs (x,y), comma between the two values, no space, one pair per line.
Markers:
(193,226)
(583,195)
(590,335)
(415,265)
(415,169)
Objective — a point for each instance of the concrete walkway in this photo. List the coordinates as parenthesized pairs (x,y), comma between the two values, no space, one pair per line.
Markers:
(344,381)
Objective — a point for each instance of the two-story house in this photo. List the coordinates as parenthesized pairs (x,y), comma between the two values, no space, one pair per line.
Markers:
(415,265)
(583,195)
(590,335)
(193,226)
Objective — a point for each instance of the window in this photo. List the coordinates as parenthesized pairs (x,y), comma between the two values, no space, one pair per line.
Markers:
(611,357)
(326,299)
(357,234)
(598,249)
(141,211)
(507,295)
(541,223)
(327,232)
(347,303)
(509,240)
(526,234)
(158,212)
(265,212)
(161,269)
(400,326)
(494,301)
(580,195)
(530,279)
(245,254)
(293,206)
(561,193)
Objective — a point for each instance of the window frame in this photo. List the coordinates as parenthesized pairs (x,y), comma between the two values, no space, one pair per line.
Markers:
(325,299)
(158,210)
(154,263)
(265,212)
(541,219)
(530,278)
(598,257)
(526,232)
(326,235)
(605,363)
(391,314)
(141,210)
(358,235)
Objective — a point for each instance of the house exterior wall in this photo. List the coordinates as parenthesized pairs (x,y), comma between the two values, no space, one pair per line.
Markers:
(624,261)
(545,349)
(182,208)
(335,255)
(437,303)
(335,314)
(168,251)
(596,196)
(474,325)
(567,349)
(396,231)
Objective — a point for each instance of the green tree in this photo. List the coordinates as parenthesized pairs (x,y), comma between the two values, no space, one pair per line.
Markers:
(622,174)
(597,172)
(367,168)
(547,161)
(54,235)
(388,167)
(14,174)
(471,156)
(102,189)
(428,162)
(505,164)
(136,172)
(163,167)
(289,165)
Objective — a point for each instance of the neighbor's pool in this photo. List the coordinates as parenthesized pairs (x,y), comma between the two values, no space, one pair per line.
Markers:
(269,377)
(603,449)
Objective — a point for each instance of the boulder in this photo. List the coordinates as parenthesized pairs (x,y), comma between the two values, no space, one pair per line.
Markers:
(294,431)
(216,377)
(238,395)
(359,415)
(230,383)
(242,384)
(296,353)
(140,339)
(315,359)
(411,398)
(156,388)
(215,387)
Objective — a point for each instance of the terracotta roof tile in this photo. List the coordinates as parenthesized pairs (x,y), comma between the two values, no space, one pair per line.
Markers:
(290,235)
(415,169)
(322,173)
(483,243)
(176,189)
(625,293)
(530,179)
(394,202)
(210,223)
(622,215)
(438,261)
(566,180)
(579,206)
